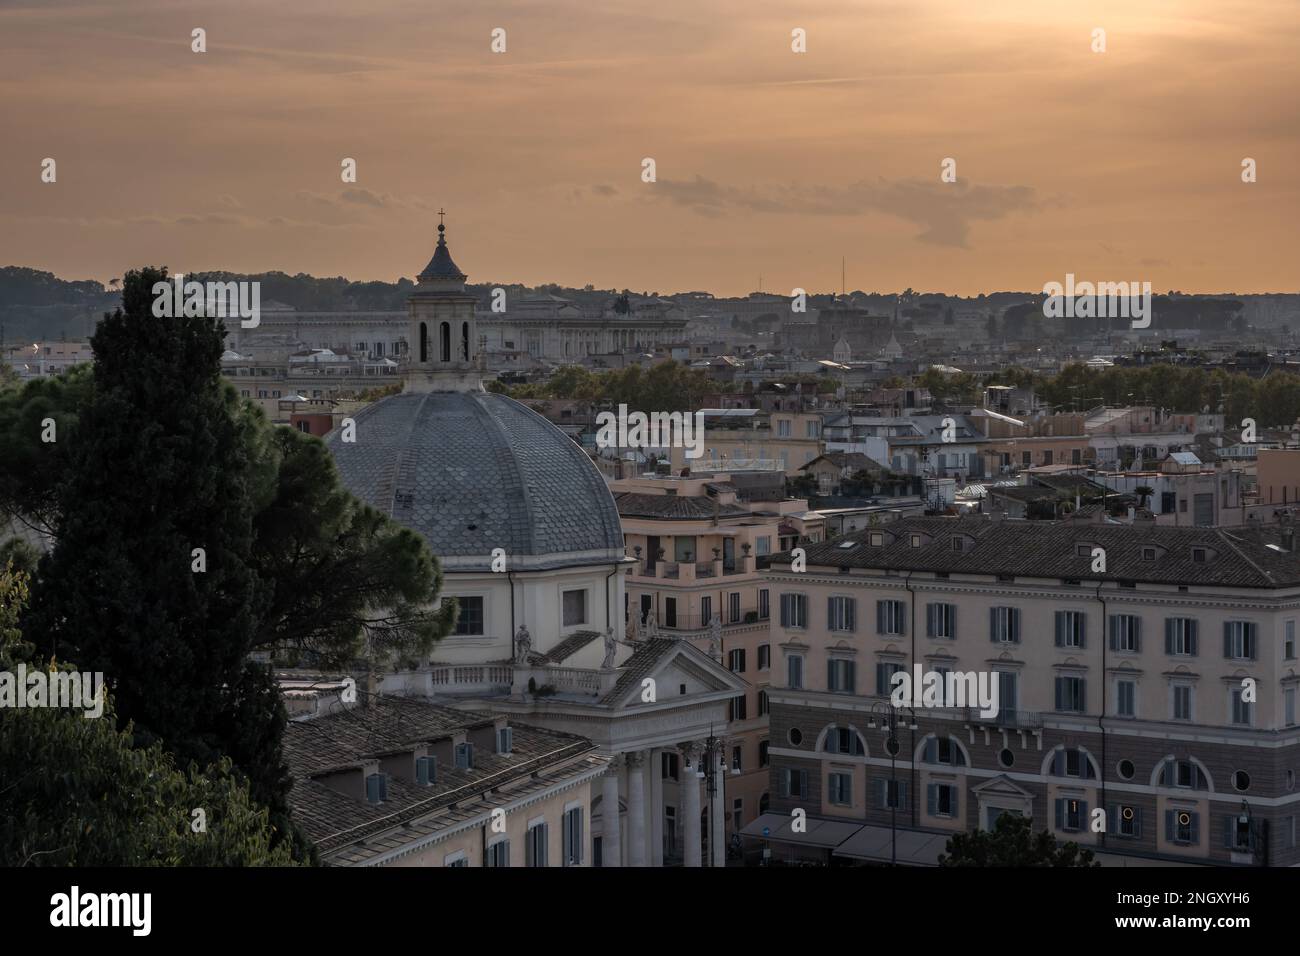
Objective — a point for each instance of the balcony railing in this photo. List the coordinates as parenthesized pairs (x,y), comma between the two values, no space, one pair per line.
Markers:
(1009,717)
(697,622)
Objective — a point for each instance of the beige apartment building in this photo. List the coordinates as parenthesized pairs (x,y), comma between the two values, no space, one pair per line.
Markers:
(1149,673)
(733,435)
(700,544)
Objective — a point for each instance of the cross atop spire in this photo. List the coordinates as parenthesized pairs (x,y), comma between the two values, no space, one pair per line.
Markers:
(441,213)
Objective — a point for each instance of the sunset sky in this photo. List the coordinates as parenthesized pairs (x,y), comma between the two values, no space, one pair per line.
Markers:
(1124,165)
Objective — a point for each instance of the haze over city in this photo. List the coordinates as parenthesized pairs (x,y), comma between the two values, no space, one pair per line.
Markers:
(1122,165)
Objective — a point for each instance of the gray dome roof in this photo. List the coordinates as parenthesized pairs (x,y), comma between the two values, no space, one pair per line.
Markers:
(473,471)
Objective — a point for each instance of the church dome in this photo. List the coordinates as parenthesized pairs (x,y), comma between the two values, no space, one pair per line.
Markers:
(472,471)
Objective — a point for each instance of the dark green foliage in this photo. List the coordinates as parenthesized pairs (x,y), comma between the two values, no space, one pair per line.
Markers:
(1012,842)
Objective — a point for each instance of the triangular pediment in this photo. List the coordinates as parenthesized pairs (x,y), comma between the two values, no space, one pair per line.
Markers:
(1001,786)
(672,664)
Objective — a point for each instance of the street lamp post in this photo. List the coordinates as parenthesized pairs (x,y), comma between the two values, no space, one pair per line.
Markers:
(886,715)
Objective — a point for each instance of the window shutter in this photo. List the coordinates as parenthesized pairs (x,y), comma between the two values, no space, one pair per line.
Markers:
(932,750)
(1060,814)
(851,607)
(830,675)
(785,781)
(1227,639)
(902,618)
(931,628)
(1114,632)
(1083,629)
(880,617)
(1169,635)
(803,783)
(880,679)
(1169,825)
(851,676)
(1013,621)
(993,624)
(1229,830)
(900,790)
(1112,818)
(952,620)
(932,799)
(882,793)
(1060,628)
(1083,815)
(1137,821)
(1058,693)
(1083,695)
(1136,624)
(577,855)
(1196,827)
(1192,627)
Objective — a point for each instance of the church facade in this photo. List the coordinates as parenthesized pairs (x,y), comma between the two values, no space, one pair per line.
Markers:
(529,540)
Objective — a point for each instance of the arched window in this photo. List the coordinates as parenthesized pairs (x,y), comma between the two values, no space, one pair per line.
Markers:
(943,750)
(843,740)
(424,342)
(444,345)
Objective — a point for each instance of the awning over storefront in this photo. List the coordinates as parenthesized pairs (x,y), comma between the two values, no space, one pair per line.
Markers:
(825,834)
(915,848)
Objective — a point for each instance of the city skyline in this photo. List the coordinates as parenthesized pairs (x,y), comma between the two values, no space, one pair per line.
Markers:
(768,162)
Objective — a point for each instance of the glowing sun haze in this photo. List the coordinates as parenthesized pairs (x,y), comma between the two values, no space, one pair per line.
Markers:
(1123,165)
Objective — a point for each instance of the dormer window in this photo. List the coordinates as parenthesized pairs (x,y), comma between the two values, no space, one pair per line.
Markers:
(877,539)
(1083,550)
(1200,555)
(1148,554)
(958,543)
(426,771)
(505,740)
(464,756)
(377,787)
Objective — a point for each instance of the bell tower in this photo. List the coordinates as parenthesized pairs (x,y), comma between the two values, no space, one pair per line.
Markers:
(441,336)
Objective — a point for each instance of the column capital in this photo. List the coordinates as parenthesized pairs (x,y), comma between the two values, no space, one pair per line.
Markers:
(635,759)
(690,749)
(614,769)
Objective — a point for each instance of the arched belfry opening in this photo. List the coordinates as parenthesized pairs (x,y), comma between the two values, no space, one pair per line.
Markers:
(441,318)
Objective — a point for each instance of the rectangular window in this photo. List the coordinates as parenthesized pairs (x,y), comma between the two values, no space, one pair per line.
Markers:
(1071,814)
(469,619)
(840,676)
(763,545)
(1071,628)
(1070,696)
(1008,692)
(841,614)
(537,845)
(738,709)
(840,789)
(941,800)
(941,621)
(1288,640)
(763,758)
(733,607)
(794,610)
(737,753)
(794,783)
(1182,701)
(794,671)
(1240,640)
(763,706)
(1126,821)
(1242,710)
(764,605)
(573,838)
(1125,698)
(1126,633)
(764,656)
(737,813)
(575,608)
(1004,625)
(736,660)
(498,854)
(891,617)
(885,672)
(1288,700)
(1180,636)
(892,794)
(706,610)
(1182,826)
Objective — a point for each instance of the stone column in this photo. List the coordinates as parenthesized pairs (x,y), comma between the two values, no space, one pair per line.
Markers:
(636,809)
(690,789)
(609,815)
(717,811)
(656,808)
